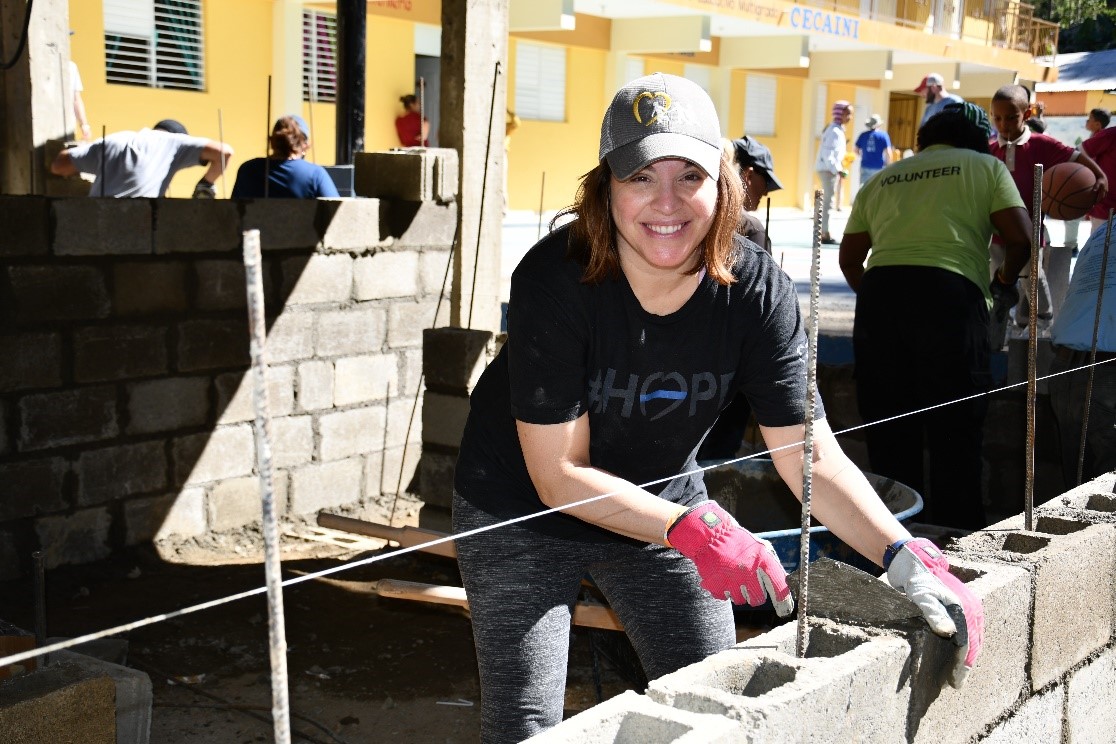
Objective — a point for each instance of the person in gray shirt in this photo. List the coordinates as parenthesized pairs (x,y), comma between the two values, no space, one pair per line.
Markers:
(933,87)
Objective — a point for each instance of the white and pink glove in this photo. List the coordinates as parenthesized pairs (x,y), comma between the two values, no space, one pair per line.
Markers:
(921,571)
(733,563)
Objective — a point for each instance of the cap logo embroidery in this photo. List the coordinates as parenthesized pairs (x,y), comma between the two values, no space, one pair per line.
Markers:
(658,108)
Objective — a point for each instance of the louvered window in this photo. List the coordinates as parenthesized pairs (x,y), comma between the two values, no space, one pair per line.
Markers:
(759,106)
(155,43)
(540,82)
(319,56)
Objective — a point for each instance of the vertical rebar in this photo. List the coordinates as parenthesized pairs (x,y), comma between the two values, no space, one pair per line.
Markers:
(422,110)
(1093,350)
(484,186)
(267,145)
(542,190)
(808,445)
(277,635)
(1032,349)
(40,603)
(221,135)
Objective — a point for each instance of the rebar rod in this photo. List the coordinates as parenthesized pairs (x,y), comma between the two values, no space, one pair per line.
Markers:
(1032,350)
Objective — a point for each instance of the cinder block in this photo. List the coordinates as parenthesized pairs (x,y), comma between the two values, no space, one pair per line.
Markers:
(235,394)
(41,294)
(1073,608)
(315,385)
(410,371)
(61,704)
(432,271)
(775,697)
(283,223)
(1093,502)
(168,404)
(350,332)
(292,440)
(81,537)
(393,469)
(409,174)
(236,503)
(115,473)
(212,344)
(386,274)
(435,482)
(407,321)
(75,416)
(404,422)
(25,220)
(143,517)
(30,360)
(12,555)
(318,278)
(101,227)
(149,288)
(119,352)
(1090,714)
(226,452)
(220,285)
(443,418)
(1039,718)
(365,378)
(29,487)
(630,717)
(348,433)
(331,484)
(290,337)
(196,226)
(454,358)
(423,224)
(352,224)
(133,694)
(184,515)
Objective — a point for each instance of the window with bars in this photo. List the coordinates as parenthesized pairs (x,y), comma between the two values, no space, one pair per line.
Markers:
(155,43)
(319,56)
(540,82)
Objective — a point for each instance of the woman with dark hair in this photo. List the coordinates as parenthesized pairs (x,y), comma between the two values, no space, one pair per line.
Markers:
(285,175)
(629,330)
(921,330)
(413,129)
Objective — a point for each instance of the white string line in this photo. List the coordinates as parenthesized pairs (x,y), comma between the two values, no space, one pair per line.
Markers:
(62,645)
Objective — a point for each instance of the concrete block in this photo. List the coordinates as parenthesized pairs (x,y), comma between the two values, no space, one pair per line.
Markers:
(432,271)
(435,482)
(168,404)
(315,385)
(454,358)
(393,469)
(119,352)
(75,416)
(81,537)
(348,433)
(115,473)
(283,223)
(226,452)
(1093,502)
(292,440)
(235,503)
(443,418)
(422,224)
(196,226)
(26,224)
(1039,718)
(409,174)
(30,360)
(386,274)
(29,487)
(407,321)
(838,688)
(331,484)
(149,288)
(212,344)
(235,391)
(133,694)
(1073,608)
(220,285)
(404,422)
(1091,690)
(100,227)
(144,516)
(352,224)
(12,554)
(364,378)
(61,704)
(410,375)
(290,337)
(317,278)
(41,294)
(350,332)
(630,717)
(183,515)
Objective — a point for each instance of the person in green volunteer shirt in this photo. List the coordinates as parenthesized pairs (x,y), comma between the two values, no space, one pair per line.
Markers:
(921,330)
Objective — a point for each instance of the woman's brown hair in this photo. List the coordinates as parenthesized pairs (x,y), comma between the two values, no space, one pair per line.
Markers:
(287,138)
(592,241)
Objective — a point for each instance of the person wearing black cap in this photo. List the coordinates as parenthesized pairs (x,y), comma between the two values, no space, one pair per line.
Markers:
(142,164)
(286,174)
(628,330)
(757,175)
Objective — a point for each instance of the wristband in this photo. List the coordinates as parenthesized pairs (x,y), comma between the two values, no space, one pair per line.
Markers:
(891,550)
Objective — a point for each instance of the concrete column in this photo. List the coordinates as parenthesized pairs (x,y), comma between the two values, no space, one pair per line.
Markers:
(473,101)
(286,58)
(33,91)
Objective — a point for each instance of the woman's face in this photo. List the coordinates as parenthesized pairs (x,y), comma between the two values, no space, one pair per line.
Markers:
(662,214)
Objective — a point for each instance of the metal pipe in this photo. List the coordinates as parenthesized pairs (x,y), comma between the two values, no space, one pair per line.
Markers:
(352,27)
(40,603)
(267,142)
(422,110)
(1032,350)
(1093,349)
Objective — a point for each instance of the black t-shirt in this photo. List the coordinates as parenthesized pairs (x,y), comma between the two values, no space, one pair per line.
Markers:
(651,385)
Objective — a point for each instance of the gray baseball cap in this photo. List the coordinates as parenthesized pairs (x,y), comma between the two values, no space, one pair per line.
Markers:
(660,116)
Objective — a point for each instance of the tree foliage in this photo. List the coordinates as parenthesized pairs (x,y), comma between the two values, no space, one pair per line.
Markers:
(1086,25)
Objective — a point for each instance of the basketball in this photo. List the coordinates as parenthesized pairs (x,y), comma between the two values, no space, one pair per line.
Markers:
(1067,191)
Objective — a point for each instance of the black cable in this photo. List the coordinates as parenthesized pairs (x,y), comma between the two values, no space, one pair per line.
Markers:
(22,39)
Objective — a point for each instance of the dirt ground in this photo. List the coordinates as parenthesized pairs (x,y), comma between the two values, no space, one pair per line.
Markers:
(361,668)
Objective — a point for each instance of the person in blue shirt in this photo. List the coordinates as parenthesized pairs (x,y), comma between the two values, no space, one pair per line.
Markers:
(874,148)
(284,175)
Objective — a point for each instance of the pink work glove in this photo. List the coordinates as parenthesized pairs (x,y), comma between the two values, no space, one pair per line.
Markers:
(920,571)
(733,563)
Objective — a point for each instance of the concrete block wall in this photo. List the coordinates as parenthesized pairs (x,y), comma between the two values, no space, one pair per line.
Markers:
(1047,670)
(125,411)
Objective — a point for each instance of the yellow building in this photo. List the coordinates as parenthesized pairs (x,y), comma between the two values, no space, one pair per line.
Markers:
(773,68)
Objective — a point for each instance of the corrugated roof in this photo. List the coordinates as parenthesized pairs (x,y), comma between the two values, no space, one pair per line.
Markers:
(1082,71)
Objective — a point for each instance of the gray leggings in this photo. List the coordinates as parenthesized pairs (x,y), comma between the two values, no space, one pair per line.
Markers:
(522,587)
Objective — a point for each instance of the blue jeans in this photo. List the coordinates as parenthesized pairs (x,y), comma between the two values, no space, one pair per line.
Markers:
(866,173)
